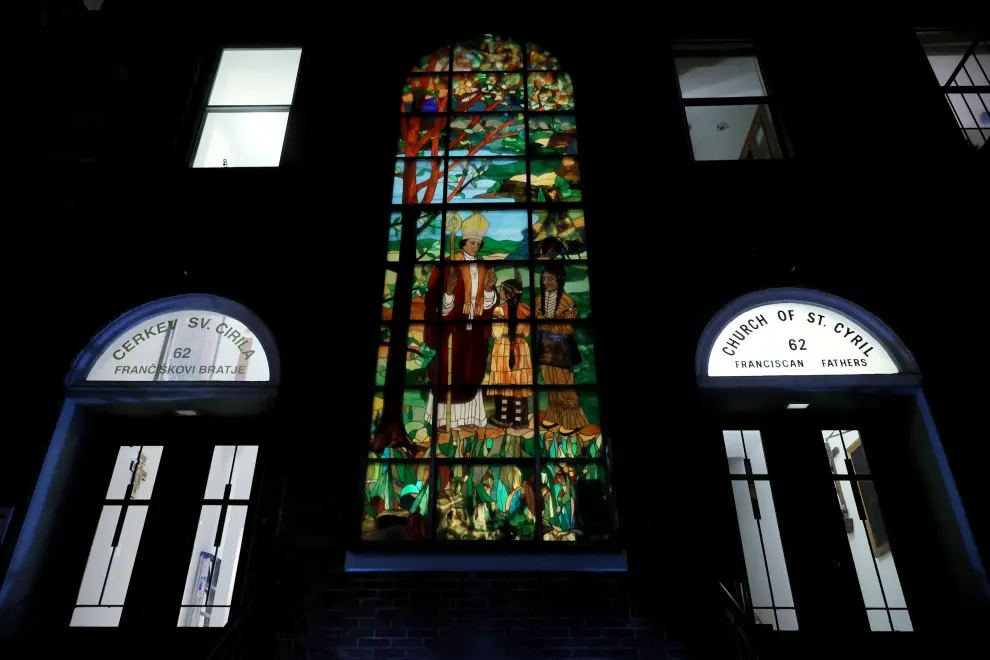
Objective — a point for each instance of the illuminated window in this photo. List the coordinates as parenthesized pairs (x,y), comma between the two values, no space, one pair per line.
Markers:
(209,588)
(961,63)
(248,109)
(118,534)
(726,102)
(866,532)
(485,423)
(763,552)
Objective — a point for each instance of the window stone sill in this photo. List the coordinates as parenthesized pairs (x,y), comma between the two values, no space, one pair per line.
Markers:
(598,562)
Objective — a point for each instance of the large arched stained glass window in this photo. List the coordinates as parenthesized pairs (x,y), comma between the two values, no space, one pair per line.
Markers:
(485,423)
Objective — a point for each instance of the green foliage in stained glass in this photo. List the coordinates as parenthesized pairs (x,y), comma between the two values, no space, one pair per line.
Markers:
(487,92)
(488,135)
(553,134)
(419,356)
(396,502)
(550,90)
(429,230)
(425,93)
(436,61)
(487,54)
(559,234)
(575,502)
(485,503)
(394,237)
(539,59)
(474,179)
(388,295)
(382,362)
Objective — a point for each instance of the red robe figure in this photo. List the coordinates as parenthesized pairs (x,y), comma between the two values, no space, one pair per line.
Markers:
(466,291)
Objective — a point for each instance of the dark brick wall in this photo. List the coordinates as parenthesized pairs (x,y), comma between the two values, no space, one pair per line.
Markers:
(476,616)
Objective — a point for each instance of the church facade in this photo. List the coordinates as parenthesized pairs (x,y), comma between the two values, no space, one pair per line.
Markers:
(606,352)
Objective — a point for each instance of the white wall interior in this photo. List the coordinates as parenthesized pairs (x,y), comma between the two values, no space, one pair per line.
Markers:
(256,76)
(242,139)
(719,132)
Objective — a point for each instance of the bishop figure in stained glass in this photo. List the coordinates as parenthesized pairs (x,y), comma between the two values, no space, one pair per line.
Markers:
(461,295)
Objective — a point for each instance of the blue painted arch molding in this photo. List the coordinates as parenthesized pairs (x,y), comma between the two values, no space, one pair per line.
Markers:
(909,372)
(187,302)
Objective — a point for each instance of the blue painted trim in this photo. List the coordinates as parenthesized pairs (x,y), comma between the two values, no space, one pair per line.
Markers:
(186,302)
(942,461)
(895,347)
(601,562)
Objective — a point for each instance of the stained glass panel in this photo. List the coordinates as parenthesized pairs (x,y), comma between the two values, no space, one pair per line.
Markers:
(436,61)
(575,502)
(417,180)
(559,234)
(381,364)
(487,92)
(485,502)
(419,356)
(425,93)
(507,431)
(394,236)
(488,135)
(550,90)
(569,424)
(498,296)
(565,354)
(422,275)
(422,135)
(410,437)
(388,295)
(476,179)
(396,502)
(555,180)
(487,54)
(428,236)
(540,59)
(553,134)
(486,235)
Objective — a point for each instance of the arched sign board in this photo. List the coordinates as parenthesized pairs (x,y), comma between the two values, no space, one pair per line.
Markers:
(183,346)
(794,333)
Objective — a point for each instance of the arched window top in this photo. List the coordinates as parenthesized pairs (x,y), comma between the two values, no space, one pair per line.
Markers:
(488,53)
(795,334)
(183,339)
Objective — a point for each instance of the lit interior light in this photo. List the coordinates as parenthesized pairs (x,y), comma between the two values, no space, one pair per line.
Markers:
(797,406)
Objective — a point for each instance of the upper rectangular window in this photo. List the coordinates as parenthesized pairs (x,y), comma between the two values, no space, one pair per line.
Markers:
(726,102)
(961,64)
(248,110)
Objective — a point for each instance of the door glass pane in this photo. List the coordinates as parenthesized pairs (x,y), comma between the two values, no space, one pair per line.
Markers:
(866,532)
(137,467)
(96,617)
(108,569)
(213,565)
(734,451)
(754,451)
(724,132)
(232,465)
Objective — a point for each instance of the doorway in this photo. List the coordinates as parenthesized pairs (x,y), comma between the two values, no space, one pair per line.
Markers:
(159,522)
(807,490)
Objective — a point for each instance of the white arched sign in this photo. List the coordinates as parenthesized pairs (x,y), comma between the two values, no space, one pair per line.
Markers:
(184,346)
(796,339)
